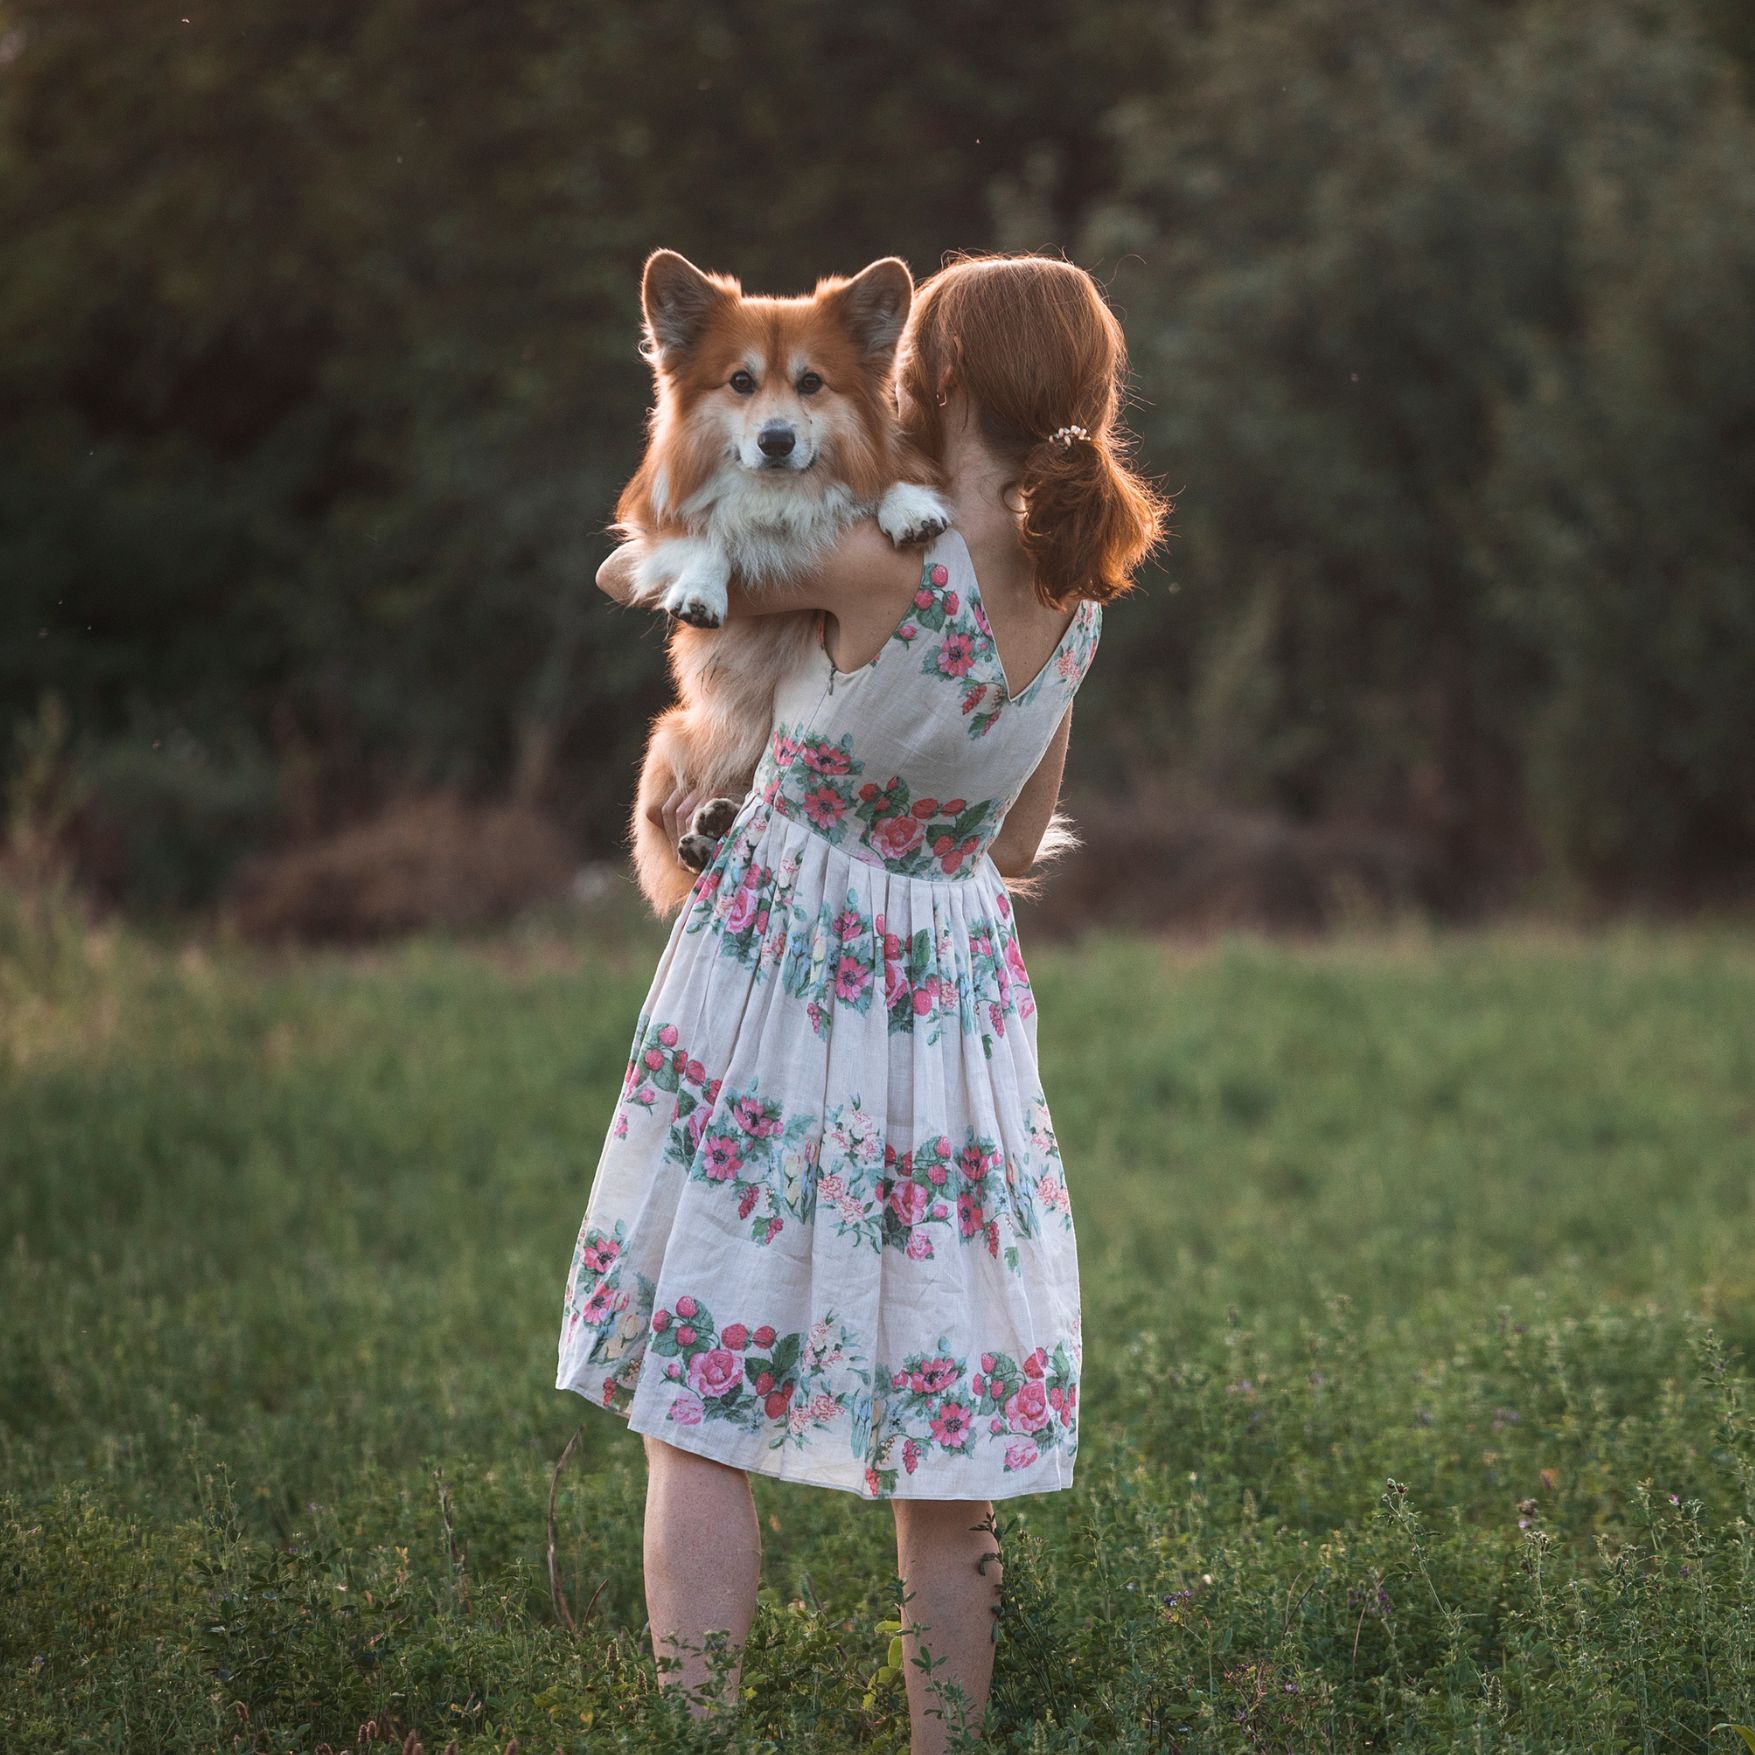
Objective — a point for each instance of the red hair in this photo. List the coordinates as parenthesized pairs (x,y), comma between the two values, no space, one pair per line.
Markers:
(1031,341)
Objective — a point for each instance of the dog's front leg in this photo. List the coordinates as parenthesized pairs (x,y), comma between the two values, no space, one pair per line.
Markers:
(698,575)
(910,513)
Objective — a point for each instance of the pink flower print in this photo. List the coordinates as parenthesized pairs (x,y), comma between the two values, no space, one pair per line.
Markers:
(830,1187)
(938,575)
(1020,1453)
(896,837)
(852,978)
(825,758)
(907,630)
(735,1336)
(695,1126)
(908,1202)
(956,655)
(996,1424)
(910,1454)
(715,1372)
(1014,962)
(686,1409)
(620,1130)
(974,1163)
(952,1425)
(721,1159)
(970,1217)
(599,1307)
(825,807)
(1027,1408)
(932,1376)
(646,1097)
(919,1246)
(598,1256)
(742,912)
(823,1408)
(978,610)
(898,1380)
(849,924)
(785,750)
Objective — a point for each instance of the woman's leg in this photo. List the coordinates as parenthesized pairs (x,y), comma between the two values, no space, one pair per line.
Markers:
(703,1553)
(949,1564)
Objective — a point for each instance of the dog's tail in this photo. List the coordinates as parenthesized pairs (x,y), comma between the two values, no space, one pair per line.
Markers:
(1058,839)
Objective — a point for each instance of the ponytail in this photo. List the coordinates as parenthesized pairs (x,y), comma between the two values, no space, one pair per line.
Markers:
(1090,519)
(1033,345)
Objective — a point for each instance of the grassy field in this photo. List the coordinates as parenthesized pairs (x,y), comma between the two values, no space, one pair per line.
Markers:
(1420,1303)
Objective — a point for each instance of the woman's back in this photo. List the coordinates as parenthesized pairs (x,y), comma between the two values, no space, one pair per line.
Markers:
(911,761)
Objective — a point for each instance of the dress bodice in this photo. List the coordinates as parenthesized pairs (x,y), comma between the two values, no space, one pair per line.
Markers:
(912,761)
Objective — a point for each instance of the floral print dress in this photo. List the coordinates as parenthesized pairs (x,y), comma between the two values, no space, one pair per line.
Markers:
(830,1238)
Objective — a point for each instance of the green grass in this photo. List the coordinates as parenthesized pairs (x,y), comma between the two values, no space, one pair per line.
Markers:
(1381,1240)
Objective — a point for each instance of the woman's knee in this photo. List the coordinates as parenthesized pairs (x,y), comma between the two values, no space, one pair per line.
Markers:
(682,1464)
(940,1519)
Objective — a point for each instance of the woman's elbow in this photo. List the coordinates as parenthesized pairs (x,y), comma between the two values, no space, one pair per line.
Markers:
(1011,859)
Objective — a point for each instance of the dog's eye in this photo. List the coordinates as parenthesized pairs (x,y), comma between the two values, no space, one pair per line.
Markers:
(743,383)
(809,384)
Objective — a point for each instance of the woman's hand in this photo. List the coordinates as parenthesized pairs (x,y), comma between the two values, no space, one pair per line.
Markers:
(675,813)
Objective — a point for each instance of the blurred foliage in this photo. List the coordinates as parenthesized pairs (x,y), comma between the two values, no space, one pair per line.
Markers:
(318,378)
(1418,1311)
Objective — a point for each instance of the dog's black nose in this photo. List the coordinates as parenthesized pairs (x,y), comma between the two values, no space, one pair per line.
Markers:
(777,440)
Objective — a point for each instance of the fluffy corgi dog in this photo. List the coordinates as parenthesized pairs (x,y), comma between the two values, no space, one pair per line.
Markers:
(774,428)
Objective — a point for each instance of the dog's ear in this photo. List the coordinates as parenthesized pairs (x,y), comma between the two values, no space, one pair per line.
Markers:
(677,299)
(875,303)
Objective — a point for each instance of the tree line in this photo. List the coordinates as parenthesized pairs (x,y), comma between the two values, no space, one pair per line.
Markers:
(318,378)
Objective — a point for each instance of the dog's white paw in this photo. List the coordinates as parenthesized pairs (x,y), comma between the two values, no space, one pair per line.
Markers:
(910,513)
(700,603)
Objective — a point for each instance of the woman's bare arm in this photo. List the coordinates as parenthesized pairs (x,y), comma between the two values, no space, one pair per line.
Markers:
(1016,846)
(864,583)
(615,578)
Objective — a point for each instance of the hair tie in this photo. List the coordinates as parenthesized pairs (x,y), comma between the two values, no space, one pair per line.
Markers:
(1064,436)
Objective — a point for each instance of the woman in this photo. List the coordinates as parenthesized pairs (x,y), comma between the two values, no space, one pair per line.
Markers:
(830,1238)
